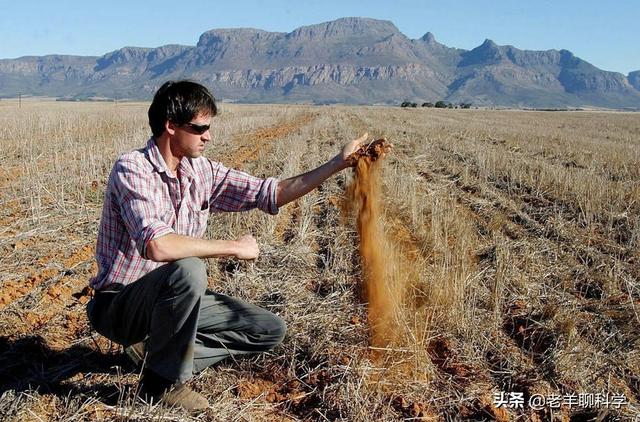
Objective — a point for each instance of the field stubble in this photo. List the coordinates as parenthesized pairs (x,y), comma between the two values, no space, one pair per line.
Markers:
(516,235)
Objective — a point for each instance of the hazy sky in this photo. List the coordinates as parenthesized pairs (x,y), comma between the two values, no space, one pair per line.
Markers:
(604,35)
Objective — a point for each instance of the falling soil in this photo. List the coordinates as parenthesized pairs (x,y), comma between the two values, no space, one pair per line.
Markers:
(380,292)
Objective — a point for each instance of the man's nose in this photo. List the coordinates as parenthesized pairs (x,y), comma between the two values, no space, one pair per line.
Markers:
(206,137)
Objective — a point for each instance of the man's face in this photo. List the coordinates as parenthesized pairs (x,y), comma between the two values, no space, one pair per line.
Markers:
(189,139)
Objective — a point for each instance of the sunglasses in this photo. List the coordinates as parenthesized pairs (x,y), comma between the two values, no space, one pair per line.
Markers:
(199,129)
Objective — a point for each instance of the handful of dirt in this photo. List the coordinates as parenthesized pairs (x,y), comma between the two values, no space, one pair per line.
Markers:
(373,150)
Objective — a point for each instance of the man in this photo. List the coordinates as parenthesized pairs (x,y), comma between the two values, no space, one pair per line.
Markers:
(151,282)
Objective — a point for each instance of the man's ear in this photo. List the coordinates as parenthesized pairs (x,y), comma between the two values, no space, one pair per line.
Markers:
(170,127)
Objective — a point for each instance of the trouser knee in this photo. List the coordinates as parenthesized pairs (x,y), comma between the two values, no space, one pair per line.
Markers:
(189,276)
(277,331)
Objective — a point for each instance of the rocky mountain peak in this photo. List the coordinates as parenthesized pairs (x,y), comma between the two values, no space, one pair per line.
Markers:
(488,44)
(126,54)
(634,79)
(569,61)
(486,53)
(429,38)
(123,56)
(345,28)
(233,35)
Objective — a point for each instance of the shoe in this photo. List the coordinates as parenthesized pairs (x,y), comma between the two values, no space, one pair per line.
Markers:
(136,353)
(156,389)
(183,396)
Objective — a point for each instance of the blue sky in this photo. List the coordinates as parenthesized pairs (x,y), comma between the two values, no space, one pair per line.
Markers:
(604,35)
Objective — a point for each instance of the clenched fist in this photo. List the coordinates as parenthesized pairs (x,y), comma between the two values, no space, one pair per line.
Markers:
(247,247)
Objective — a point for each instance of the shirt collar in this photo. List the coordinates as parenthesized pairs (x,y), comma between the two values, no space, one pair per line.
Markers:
(155,157)
(186,168)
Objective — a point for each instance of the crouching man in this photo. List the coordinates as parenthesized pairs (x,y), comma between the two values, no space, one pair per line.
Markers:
(151,287)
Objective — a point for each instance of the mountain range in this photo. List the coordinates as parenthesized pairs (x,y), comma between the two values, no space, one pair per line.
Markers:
(349,60)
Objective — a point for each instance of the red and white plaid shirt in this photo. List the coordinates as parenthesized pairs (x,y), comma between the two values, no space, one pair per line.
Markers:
(144,200)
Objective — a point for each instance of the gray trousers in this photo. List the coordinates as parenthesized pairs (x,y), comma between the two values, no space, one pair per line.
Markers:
(187,327)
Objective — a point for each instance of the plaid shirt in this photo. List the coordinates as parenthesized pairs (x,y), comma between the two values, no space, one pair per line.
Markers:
(144,200)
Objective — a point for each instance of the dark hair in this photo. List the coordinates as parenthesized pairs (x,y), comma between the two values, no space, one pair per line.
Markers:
(179,102)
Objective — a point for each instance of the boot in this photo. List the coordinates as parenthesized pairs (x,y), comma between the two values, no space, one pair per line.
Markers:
(154,388)
(136,353)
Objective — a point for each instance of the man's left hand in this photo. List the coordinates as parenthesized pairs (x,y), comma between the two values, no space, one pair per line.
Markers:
(352,147)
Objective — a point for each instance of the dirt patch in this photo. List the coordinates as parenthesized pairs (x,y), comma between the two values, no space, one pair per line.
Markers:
(13,290)
(445,357)
(481,409)
(300,395)
(78,256)
(289,218)
(412,409)
(55,316)
(272,392)
(253,144)
(530,333)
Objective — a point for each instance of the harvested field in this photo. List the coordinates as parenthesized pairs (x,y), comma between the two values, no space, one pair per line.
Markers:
(515,234)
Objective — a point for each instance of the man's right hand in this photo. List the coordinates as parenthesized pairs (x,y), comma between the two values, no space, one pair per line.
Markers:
(247,247)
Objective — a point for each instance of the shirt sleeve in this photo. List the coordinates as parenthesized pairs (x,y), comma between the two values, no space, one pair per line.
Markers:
(234,190)
(139,210)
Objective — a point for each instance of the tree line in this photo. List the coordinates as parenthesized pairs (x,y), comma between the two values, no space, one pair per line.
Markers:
(438,104)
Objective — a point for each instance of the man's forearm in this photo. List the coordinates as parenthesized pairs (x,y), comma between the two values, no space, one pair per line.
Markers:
(294,187)
(172,247)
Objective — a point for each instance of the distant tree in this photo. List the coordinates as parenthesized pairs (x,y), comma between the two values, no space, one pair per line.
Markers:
(449,105)
(414,105)
(465,105)
(427,104)
(441,104)
(405,104)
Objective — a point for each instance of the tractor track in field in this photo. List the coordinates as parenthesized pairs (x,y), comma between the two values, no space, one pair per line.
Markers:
(254,145)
